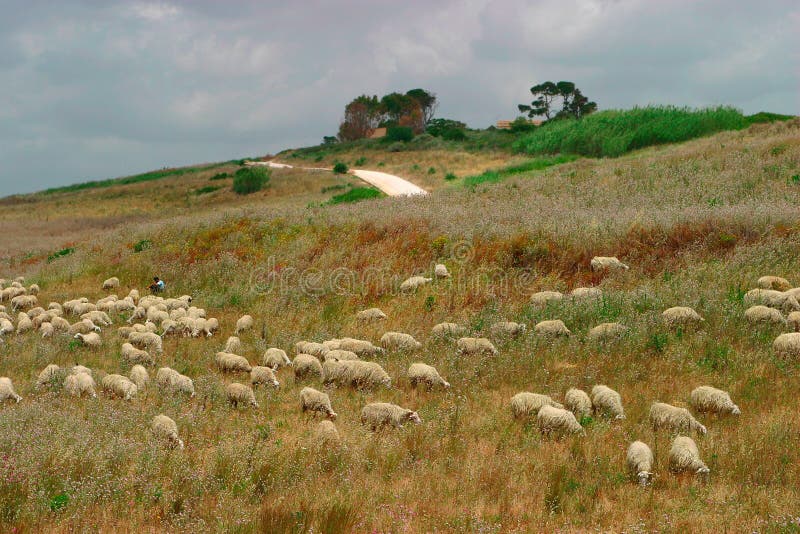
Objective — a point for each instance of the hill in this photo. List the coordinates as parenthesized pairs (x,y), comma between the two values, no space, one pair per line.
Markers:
(698,223)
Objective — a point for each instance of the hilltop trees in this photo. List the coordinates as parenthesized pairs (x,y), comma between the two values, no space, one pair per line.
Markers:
(365,113)
(573,103)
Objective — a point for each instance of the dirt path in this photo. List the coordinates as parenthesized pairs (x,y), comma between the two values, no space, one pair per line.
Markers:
(390,184)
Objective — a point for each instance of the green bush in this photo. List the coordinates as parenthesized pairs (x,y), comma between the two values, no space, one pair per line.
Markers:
(438,127)
(360,161)
(454,134)
(450,177)
(220,176)
(356,194)
(144,244)
(340,168)
(60,254)
(206,189)
(615,132)
(250,179)
(399,133)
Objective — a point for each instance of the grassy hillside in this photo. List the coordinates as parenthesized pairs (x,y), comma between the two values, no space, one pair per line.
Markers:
(698,223)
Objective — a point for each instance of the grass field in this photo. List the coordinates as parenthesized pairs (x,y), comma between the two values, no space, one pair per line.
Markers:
(697,222)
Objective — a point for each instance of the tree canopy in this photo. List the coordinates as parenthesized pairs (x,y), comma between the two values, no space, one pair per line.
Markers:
(573,103)
(364,113)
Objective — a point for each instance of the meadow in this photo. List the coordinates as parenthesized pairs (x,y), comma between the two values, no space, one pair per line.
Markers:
(697,222)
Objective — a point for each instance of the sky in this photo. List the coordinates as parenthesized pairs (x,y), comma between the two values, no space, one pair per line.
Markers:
(98,89)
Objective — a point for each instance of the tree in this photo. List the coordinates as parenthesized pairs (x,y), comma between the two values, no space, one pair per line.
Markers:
(545,93)
(427,103)
(361,117)
(573,103)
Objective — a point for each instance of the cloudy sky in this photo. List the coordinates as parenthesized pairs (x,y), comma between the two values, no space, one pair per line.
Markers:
(98,89)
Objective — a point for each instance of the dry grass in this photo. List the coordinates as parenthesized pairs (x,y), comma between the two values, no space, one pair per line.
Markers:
(698,223)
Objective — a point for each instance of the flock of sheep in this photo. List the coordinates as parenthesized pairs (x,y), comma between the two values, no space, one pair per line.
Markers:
(345,362)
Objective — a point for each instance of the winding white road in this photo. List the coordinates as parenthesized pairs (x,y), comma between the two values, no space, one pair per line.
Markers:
(392,185)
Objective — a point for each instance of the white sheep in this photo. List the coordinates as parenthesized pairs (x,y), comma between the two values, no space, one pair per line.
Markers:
(543,298)
(414,283)
(684,456)
(440,271)
(21,302)
(607,332)
(764,314)
(263,375)
(24,324)
(475,345)
(84,326)
(399,341)
(79,384)
(326,435)
(60,324)
(119,386)
(709,399)
(507,328)
(98,317)
(7,390)
(607,401)
(6,326)
(139,376)
(132,355)
(607,263)
(233,345)
(578,402)
(47,330)
(371,314)
(316,402)
(232,363)
(553,420)
(681,316)
(586,293)
(148,341)
(774,282)
(240,394)
(76,369)
(420,373)
(360,346)
(787,345)
(794,321)
(48,375)
(379,414)
(34,289)
(170,378)
(275,358)
(306,365)
(308,347)
(165,429)
(111,283)
(91,339)
(526,404)
(640,461)
(339,354)
(448,329)
(552,328)
(781,300)
(245,322)
(674,419)
(355,374)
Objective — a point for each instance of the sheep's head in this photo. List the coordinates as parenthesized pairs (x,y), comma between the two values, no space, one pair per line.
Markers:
(703,470)
(735,410)
(78,336)
(332,415)
(644,477)
(413,417)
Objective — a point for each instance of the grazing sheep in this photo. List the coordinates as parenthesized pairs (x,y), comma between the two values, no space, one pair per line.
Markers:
(552,328)
(308,347)
(165,429)
(21,302)
(84,326)
(586,293)
(139,376)
(708,399)
(543,298)
(379,414)
(6,326)
(784,301)
(326,435)
(119,386)
(98,317)
(794,321)
(553,420)
(607,401)
(763,314)
(60,324)
(76,369)
(240,394)
(232,363)
(448,329)
(275,358)
(440,271)
(684,456)
(475,345)
(233,345)
(48,375)
(111,283)
(607,263)
(578,402)
(640,461)
(47,330)
(774,282)
(371,314)
(166,377)
(149,341)
(338,354)
(355,373)
(420,373)
(34,289)
(24,324)
(507,328)
(132,355)
(399,341)
(681,316)
(7,390)
(245,322)
(414,283)
(79,384)
(673,418)
(607,332)
(263,375)
(316,402)
(91,339)
(305,366)
(360,346)
(787,345)
(528,404)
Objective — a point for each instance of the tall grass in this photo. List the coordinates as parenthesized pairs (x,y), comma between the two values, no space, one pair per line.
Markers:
(615,132)
(536,164)
(356,194)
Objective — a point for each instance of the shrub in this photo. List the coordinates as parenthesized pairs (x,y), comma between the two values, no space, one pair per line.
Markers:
(144,244)
(454,134)
(437,127)
(432,170)
(206,189)
(356,194)
(399,133)
(250,179)
(532,165)
(220,176)
(450,177)
(60,254)
(360,161)
(340,168)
